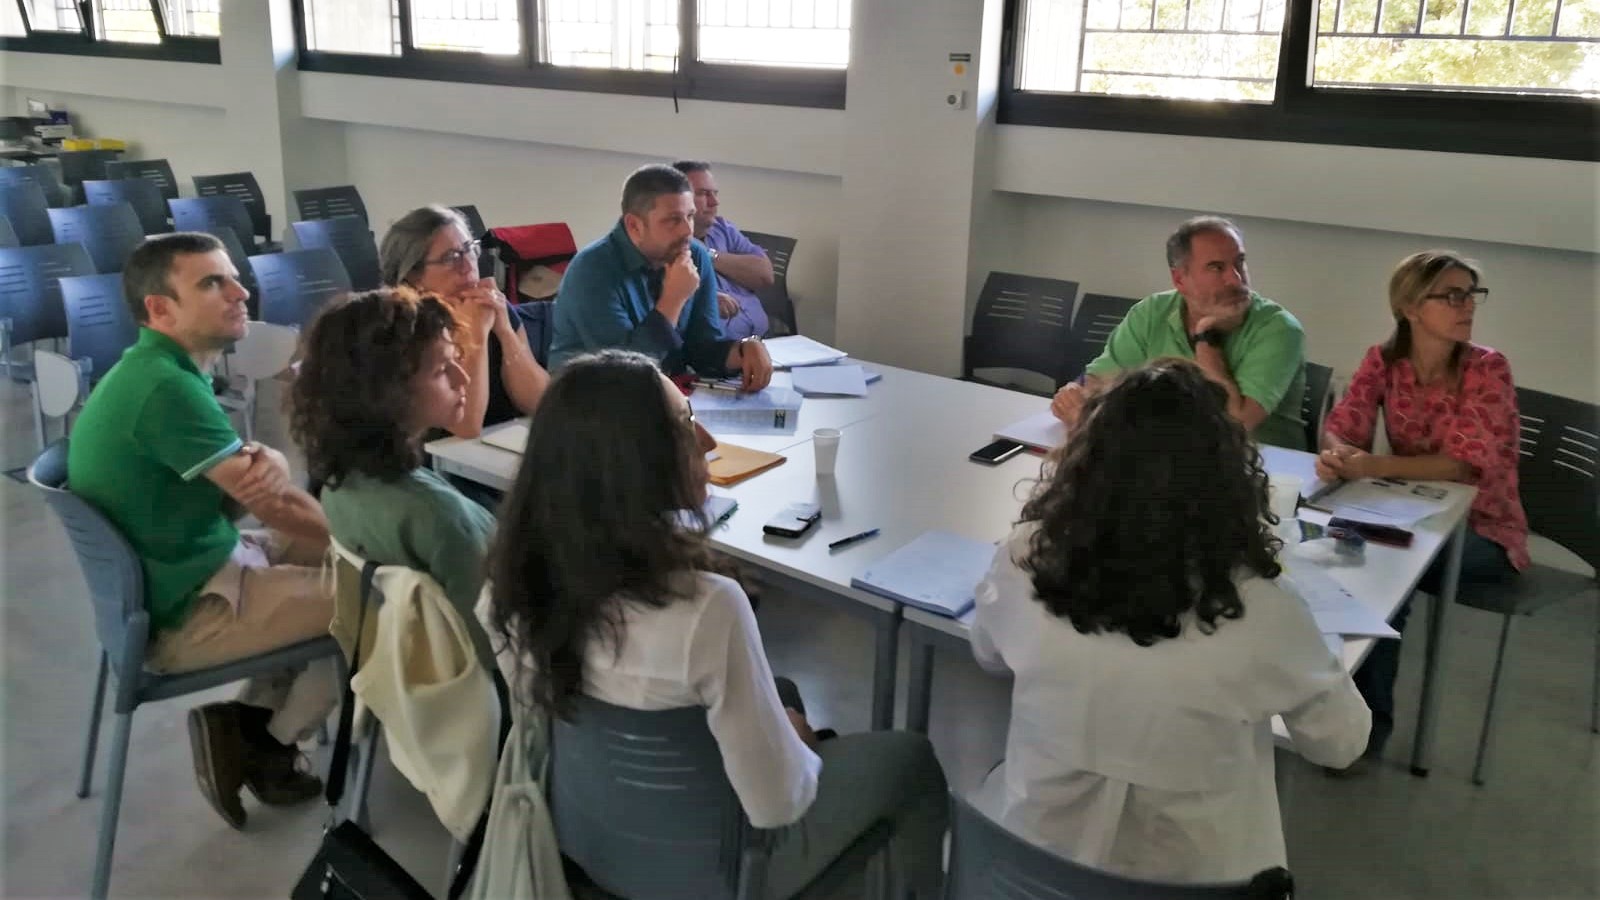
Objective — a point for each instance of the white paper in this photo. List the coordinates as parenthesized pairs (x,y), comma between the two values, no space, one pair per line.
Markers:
(1043,431)
(1386,503)
(938,572)
(770,411)
(841,380)
(513,437)
(799,350)
(1334,608)
(1279,461)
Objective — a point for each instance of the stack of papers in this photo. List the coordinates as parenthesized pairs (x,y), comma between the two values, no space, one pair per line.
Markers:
(1041,432)
(938,572)
(839,380)
(799,350)
(1397,503)
(1279,461)
(1334,608)
(768,411)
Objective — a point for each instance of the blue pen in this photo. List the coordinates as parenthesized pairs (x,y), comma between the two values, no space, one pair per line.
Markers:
(845,542)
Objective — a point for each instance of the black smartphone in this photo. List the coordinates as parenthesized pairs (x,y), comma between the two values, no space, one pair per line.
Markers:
(996,453)
(1377,534)
(793,520)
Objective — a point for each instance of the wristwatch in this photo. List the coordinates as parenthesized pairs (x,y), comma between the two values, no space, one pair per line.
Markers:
(1212,336)
(713,253)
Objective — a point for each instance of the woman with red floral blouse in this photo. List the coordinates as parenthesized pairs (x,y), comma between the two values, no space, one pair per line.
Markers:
(1450,412)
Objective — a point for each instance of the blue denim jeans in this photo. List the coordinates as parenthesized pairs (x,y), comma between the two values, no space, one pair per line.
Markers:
(1482,562)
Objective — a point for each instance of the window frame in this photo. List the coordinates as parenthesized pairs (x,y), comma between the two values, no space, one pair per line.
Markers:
(693,79)
(170,48)
(1451,122)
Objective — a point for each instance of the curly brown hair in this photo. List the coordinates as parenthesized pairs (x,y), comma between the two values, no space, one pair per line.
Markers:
(1151,508)
(348,404)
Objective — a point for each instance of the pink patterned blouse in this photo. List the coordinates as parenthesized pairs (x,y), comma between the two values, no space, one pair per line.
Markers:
(1477,425)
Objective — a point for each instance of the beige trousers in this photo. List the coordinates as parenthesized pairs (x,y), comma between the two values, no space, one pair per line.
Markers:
(271,593)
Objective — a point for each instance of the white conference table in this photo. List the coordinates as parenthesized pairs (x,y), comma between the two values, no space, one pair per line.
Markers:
(902,468)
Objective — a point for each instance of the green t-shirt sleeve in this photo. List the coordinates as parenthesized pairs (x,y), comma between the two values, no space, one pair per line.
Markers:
(1275,357)
(184,429)
(1127,348)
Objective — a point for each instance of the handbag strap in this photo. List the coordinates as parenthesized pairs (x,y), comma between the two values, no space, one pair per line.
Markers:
(339,766)
(474,848)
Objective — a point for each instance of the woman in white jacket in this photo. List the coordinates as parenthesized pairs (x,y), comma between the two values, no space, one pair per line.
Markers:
(1135,604)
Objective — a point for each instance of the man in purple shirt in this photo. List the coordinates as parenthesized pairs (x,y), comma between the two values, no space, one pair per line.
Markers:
(742,266)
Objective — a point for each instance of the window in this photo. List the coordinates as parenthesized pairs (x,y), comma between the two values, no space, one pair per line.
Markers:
(1517,77)
(178,30)
(772,51)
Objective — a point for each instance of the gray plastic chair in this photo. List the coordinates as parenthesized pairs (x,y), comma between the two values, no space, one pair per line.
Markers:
(349,237)
(296,284)
(242,186)
(142,194)
(24,204)
(330,203)
(987,862)
(109,233)
(775,300)
(1559,479)
(157,170)
(116,589)
(1096,317)
(212,214)
(99,324)
(1316,403)
(642,804)
(78,166)
(55,193)
(1022,322)
(30,296)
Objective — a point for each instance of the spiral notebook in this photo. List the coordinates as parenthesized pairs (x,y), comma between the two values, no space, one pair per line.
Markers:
(938,572)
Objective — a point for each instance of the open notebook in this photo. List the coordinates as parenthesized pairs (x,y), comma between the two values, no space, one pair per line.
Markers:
(1041,431)
(938,572)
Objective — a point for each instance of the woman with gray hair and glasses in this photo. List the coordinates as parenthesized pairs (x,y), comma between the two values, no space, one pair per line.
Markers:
(429,249)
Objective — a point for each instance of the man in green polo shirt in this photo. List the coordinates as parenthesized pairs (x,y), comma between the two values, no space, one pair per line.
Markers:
(155,453)
(1251,346)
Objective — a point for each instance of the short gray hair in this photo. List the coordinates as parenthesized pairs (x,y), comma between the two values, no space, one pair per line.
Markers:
(405,244)
(1182,240)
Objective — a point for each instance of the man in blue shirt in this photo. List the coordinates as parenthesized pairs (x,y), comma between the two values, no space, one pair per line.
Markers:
(650,286)
(742,266)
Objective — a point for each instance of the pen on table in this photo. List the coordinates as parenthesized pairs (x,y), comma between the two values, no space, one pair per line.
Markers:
(845,542)
(717,386)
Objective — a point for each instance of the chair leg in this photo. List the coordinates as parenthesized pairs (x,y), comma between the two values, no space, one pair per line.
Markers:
(38,416)
(85,780)
(451,860)
(322,735)
(1494,694)
(1594,703)
(363,779)
(112,806)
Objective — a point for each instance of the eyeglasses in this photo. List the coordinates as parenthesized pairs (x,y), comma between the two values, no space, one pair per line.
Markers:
(455,257)
(1458,297)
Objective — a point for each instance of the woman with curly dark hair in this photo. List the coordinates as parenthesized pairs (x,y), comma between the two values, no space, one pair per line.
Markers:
(379,371)
(1135,604)
(602,592)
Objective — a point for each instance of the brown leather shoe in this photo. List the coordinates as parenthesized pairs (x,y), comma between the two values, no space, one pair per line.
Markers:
(219,758)
(280,775)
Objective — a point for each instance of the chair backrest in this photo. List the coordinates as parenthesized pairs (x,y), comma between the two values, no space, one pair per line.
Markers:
(141,193)
(265,350)
(109,564)
(349,237)
(240,186)
(55,193)
(775,299)
(987,861)
(99,324)
(295,284)
(78,166)
(642,803)
(330,202)
(30,288)
(1096,317)
(1022,322)
(1316,402)
(477,229)
(58,382)
(1559,474)
(211,215)
(110,233)
(156,170)
(24,204)
(8,235)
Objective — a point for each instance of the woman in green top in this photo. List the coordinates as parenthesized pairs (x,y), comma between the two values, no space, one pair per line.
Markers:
(379,371)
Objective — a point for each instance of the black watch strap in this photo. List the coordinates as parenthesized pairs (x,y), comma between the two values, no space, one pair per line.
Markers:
(1212,336)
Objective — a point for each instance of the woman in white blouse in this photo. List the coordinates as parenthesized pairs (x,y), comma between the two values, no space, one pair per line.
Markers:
(599,590)
(1135,604)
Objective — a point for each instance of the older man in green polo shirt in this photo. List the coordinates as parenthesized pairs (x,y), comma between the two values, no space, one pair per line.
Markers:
(1251,346)
(155,453)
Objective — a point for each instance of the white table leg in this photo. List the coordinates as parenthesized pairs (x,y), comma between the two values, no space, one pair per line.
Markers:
(1427,714)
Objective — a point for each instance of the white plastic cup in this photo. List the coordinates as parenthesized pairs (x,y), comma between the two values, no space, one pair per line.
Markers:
(1283,495)
(825,441)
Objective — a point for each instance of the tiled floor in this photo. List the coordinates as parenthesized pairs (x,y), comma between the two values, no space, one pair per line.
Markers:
(1533,832)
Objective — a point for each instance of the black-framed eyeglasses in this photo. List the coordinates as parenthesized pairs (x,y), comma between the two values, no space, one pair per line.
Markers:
(1458,297)
(454,257)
